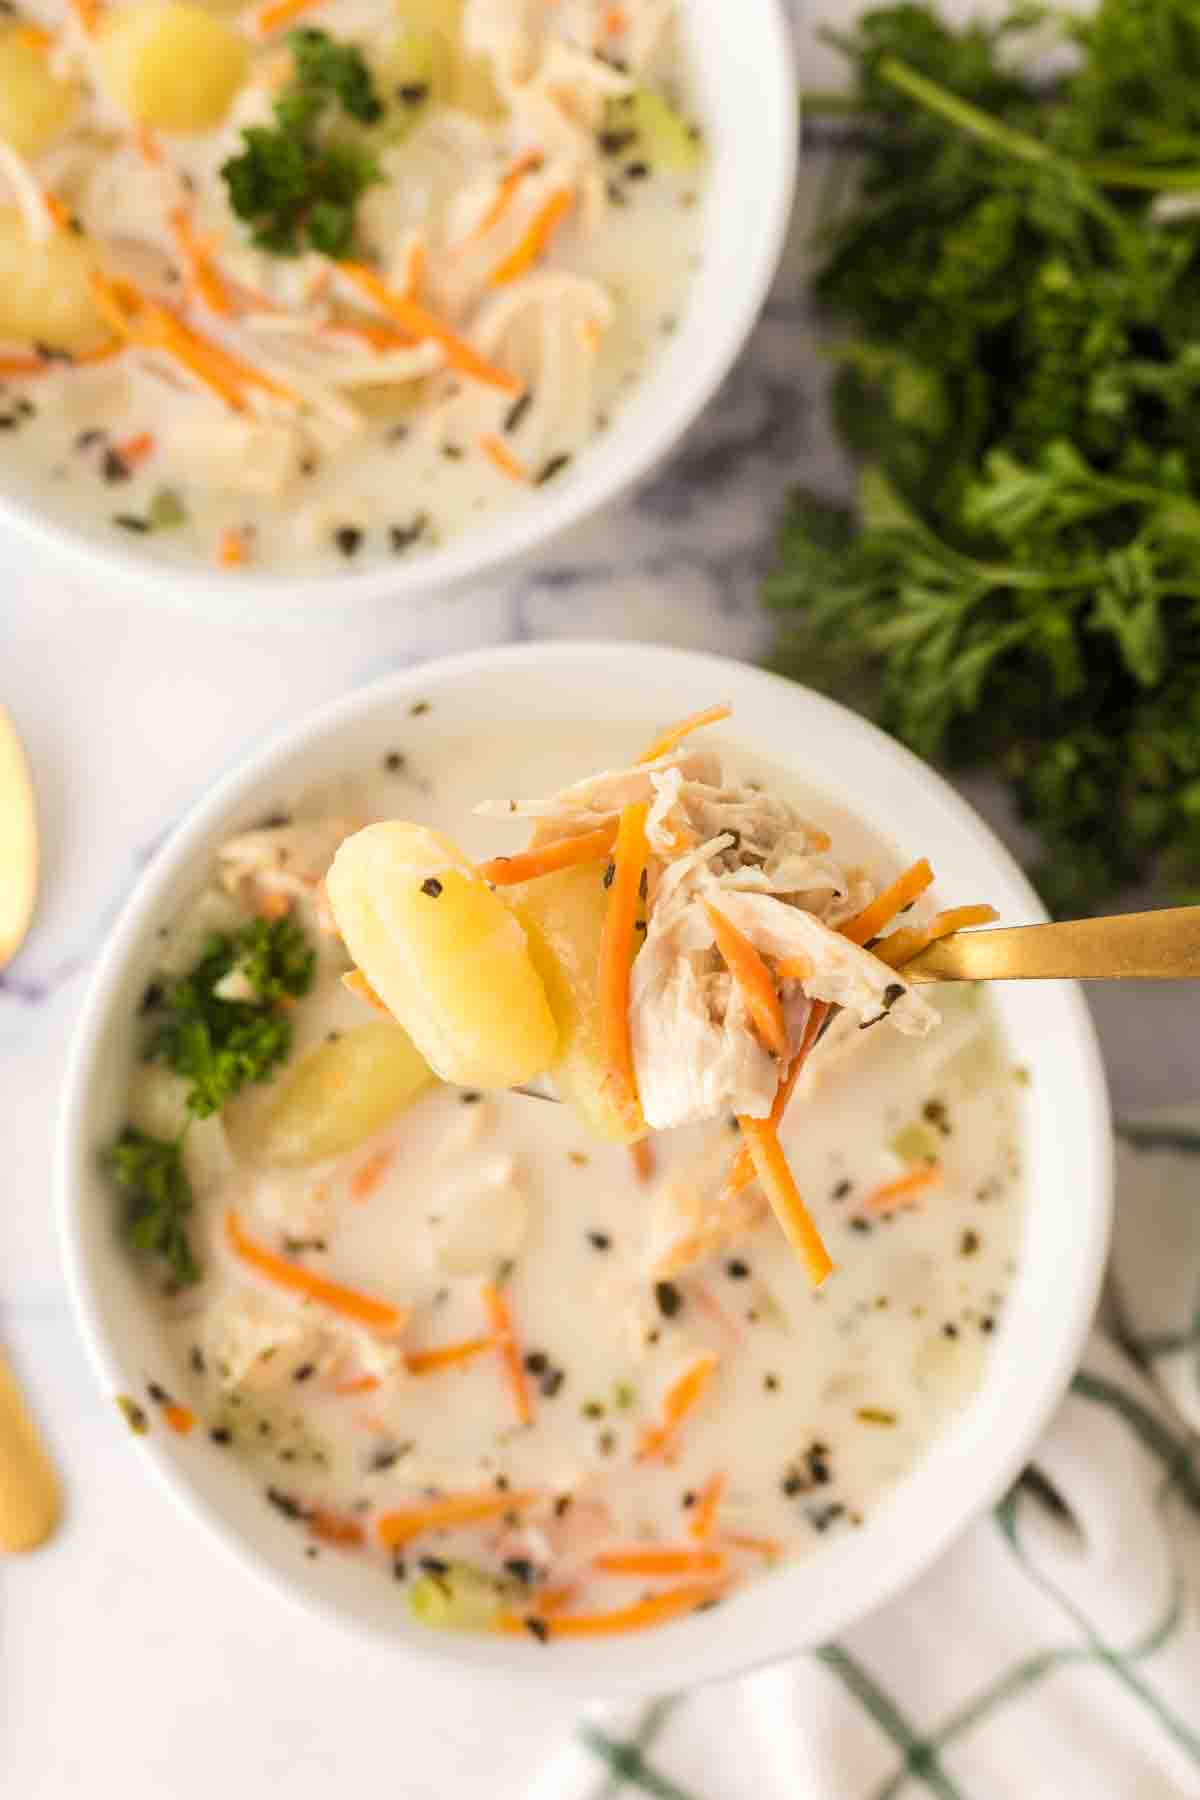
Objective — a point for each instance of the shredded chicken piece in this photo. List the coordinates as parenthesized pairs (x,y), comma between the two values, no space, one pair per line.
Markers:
(693,1217)
(285,859)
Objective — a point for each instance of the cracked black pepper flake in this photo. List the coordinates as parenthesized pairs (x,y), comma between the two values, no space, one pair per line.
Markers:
(221,1434)
(470,1097)
(305,1372)
(669,1298)
(987,1324)
(402,537)
(348,539)
(771,1383)
(892,992)
(393,762)
(536,1627)
(196,1358)
(158,1393)
(434,1565)
(822,1517)
(537,1362)
(131,522)
(610,874)
(432,887)
(413,93)
(452,452)
(562,1505)
(613,143)
(636,171)
(287,1504)
(736,1269)
(554,466)
(968,1244)
(521,1569)
(399,1569)
(114,467)
(551,1381)
(592,1409)
(518,409)
(599,1240)
(858,1223)
(135,1415)
(949,1329)
(841,1189)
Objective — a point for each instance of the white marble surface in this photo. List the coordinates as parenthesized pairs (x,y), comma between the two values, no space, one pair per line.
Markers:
(133,1659)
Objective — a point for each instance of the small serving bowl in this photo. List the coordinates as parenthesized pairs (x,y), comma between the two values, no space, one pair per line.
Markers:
(743,68)
(1066,1153)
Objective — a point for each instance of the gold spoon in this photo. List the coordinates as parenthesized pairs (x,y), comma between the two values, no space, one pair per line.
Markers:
(29,1493)
(1147,946)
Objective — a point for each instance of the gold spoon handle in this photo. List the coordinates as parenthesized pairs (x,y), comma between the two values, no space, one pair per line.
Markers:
(1148,946)
(29,1498)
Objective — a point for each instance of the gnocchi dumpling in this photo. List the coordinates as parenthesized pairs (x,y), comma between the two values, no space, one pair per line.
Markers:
(444,953)
(563,916)
(45,296)
(34,105)
(333,1099)
(173,67)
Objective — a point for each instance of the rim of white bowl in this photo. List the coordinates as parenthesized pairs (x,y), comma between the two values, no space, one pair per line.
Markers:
(514,535)
(704,1647)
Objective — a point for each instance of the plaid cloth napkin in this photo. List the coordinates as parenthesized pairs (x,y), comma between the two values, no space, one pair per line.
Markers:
(1055,1650)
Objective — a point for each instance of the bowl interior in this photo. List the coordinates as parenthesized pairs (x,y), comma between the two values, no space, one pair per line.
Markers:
(742,66)
(1066,1149)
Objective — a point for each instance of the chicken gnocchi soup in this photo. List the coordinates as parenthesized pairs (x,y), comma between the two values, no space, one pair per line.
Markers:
(564,1369)
(295,284)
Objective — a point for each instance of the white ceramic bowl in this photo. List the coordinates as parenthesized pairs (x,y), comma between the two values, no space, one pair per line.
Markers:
(1067,1154)
(744,71)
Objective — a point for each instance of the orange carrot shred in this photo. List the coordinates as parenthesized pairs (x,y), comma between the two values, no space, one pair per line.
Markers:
(449,1510)
(199,264)
(504,1337)
(179,1418)
(901,946)
(498,453)
(673,736)
(779,1185)
(703,1515)
(357,1384)
(904,1189)
(510,182)
(231,548)
(641,1155)
(279,12)
(535,240)
(135,450)
(742,1173)
(377,1315)
(682,1396)
(23,365)
(655,1610)
(754,979)
(34,37)
(661,1559)
(447,1356)
(741,1540)
(58,210)
(88,14)
(368,1175)
(550,1600)
(356,983)
(617,948)
(616,20)
(424,324)
(335,1528)
(883,909)
(563,853)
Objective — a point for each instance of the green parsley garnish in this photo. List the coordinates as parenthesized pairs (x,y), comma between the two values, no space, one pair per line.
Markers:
(1015,289)
(293,182)
(222,1044)
(159,1199)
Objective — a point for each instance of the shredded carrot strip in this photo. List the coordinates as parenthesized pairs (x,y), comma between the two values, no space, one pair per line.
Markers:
(755,981)
(201,271)
(358,1384)
(703,1515)
(550,1600)
(904,1189)
(795,968)
(379,337)
(356,983)
(88,14)
(367,1178)
(664,1560)
(135,450)
(768,1547)
(564,853)
(59,212)
(33,37)
(655,1610)
(818,839)
(535,240)
(399,1528)
(415,271)
(641,1155)
(902,945)
(617,949)
(279,12)
(504,1337)
(615,21)
(424,324)
(179,1418)
(378,1315)
(446,1356)
(668,740)
(681,1398)
(503,198)
(23,365)
(883,909)
(742,1173)
(335,1528)
(498,452)
(231,548)
(779,1185)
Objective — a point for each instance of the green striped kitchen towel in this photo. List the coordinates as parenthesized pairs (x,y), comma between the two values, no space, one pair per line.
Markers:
(1054,1652)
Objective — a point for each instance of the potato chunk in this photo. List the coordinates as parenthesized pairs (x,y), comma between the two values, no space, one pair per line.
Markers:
(444,953)
(44,292)
(333,1099)
(563,916)
(171,66)
(34,106)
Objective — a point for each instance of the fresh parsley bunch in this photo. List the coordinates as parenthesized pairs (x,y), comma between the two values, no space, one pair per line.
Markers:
(219,1026)
(293,182)
(1015,287)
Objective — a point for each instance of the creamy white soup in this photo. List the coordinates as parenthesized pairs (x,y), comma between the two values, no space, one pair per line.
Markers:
(547,1384)
(317,282)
